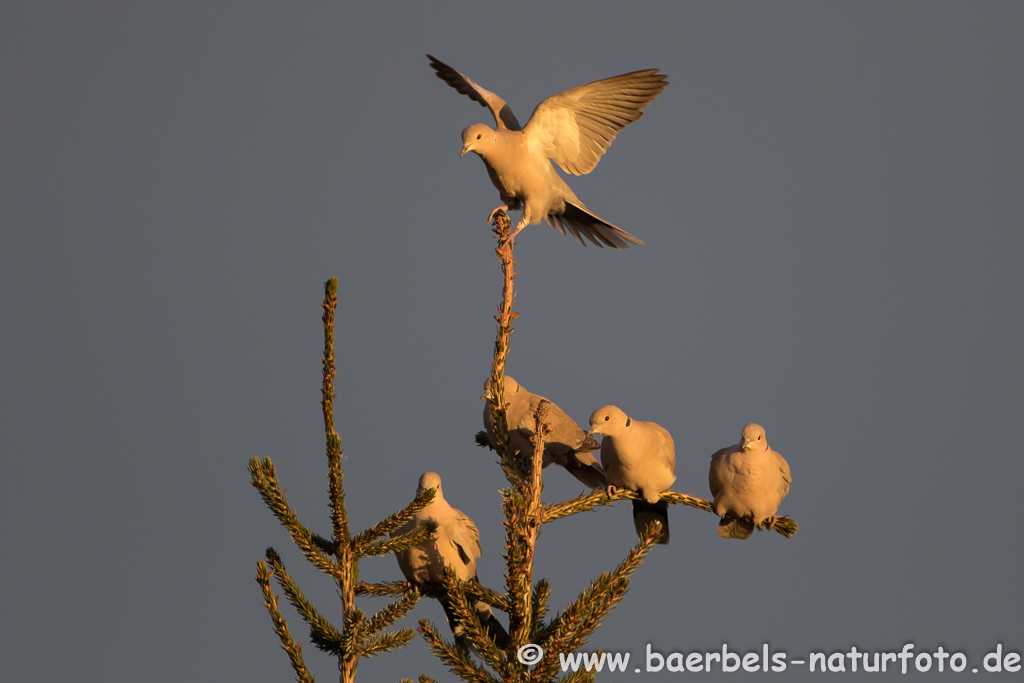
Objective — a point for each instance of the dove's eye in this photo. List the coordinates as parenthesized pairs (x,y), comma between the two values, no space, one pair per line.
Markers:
(479,135)
(607,417)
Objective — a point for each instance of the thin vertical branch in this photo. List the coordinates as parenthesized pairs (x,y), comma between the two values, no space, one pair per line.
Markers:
(336,489)
(522,503)
(348,569)
(501,346)
(523,536)
(360,635)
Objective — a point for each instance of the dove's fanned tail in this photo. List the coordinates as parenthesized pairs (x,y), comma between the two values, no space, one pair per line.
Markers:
(581,223)
(644,513)
(730,527)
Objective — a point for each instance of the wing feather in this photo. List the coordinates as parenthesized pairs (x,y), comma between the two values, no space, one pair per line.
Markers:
(576,127)
(503,116)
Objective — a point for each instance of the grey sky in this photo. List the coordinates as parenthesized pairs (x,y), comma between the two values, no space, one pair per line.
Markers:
(831,200)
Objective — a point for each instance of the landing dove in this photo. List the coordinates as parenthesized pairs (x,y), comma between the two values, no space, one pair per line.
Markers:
(748,481)
(455,544)
(641,457)
(572,128)
(567,444)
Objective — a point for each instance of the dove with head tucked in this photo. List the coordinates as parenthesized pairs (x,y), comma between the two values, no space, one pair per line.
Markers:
(567,445)
(748,482)
(455,544)
(641,457)
(573,129)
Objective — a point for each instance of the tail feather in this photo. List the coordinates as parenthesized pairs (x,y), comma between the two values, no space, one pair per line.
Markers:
(483,440)
(731,527)
(491,624)
(581,223)
(644,513)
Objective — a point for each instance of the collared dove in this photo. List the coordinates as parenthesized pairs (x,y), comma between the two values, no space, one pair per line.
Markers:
(567,444)
(748,481)
(641,457)
(573,128)
(456,544)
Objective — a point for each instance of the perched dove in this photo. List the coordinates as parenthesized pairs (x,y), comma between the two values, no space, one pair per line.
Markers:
(567,445)
(573,128)
(641,457)
(456,543)
(749,481)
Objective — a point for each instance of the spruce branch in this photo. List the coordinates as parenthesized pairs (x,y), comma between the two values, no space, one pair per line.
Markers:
(393,521)
(619,584)
(368,542)
(386,642)
(352,637)
(504,319)
(588,501)
(474,589)
(473,632)
(401,542)
(523,527)
(786,526)
(571,630)
(477,591)
(391,613)
(263,476)
(336,488)
(288,644)
(338,556)
(322,632)
(384,589)
(635,557)
(541,596)
(601,587)
(457,659)
(578,677)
